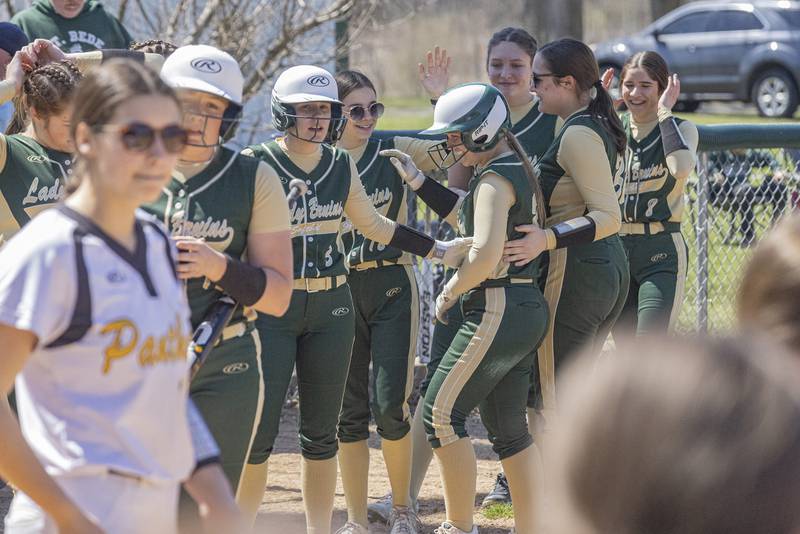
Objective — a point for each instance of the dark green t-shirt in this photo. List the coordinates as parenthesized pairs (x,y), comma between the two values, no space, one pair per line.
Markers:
(94,28)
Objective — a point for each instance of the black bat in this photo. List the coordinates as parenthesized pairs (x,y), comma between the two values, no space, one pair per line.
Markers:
(209,331)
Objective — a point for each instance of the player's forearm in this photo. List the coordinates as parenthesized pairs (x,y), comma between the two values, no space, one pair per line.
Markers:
(20,467)
(210,489)
(275,299)
(86,60)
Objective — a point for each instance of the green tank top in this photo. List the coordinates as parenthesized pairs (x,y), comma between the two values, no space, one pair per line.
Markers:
(32,180)
(510,168)
(550,172)
(387,190)
(647,183)
(535,132)
(317,217)
(215,205)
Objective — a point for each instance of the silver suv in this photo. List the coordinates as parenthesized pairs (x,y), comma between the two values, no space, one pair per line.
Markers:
(743,51)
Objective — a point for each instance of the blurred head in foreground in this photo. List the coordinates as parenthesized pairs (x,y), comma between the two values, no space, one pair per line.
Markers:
(684,436)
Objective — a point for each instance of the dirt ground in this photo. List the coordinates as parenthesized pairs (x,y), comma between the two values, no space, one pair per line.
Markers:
(281,511)
(282,508)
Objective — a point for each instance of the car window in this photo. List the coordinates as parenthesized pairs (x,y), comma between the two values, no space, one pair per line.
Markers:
(691,23)
(791,16)
(730,20)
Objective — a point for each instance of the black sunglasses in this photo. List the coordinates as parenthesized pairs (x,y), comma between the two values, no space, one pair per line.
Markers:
(139,137)
(357,113)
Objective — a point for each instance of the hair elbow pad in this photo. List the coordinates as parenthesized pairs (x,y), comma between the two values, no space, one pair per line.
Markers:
(574,232)
(411,240)
(671,136)
(439,198)
(244,282)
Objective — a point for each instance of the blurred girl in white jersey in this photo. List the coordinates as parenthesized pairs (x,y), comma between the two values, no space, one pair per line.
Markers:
(94,323)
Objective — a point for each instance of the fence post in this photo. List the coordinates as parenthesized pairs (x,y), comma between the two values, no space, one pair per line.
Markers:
(701,238)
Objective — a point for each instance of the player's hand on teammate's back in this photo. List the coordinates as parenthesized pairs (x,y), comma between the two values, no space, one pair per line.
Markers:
(196,258)
(525,249)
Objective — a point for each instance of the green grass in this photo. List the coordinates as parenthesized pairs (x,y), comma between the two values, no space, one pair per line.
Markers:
(417,114)
(498,511)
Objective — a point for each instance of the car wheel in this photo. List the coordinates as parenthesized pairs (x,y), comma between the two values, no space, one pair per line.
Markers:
(775,94)
(686,106)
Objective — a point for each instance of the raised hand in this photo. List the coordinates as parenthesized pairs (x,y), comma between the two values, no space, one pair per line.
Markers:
(436,75)
(670,95)
(607,79)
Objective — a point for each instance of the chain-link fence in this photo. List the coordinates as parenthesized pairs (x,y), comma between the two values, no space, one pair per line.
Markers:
(747,177)
(734,197)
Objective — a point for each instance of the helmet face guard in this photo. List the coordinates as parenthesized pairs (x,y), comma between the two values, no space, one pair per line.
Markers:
(284,118)
(230,120)
(477,112)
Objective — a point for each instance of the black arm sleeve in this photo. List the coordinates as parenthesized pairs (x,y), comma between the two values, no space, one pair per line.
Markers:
(244,282)
(574,232)
(410,240)
(439,198)
(126,54)
(671,136)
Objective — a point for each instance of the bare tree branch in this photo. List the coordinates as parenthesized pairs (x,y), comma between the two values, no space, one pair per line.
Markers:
(169,33)
(10,9)
(123,7)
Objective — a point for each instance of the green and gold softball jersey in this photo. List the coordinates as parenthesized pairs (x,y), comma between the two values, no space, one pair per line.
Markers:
(32,178)
(650,190)
(533,129)
(334,189)
(226,201)
(580,175)
(388,193)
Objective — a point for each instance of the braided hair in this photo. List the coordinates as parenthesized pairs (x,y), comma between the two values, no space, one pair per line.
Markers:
(47,89)
(154,46)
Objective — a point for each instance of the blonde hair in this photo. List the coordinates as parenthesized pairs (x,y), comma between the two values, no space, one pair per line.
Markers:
(688,436)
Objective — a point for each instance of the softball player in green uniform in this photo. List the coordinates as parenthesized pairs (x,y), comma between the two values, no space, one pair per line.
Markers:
(386,307)
(36,158)
(221,207)
(584,270)
(503,314)
(509,62)
(316,335)
(660,156)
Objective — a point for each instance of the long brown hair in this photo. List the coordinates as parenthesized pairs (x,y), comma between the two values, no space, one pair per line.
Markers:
(769,294)
(348,81)
(530,172)
(681,435)
(105,89)
(652,63)
(518,36)
(47,89)
(569,57)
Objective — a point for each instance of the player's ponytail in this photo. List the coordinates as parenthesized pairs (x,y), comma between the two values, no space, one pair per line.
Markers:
(48,90)
(530,172)
(102,92)
(569,57)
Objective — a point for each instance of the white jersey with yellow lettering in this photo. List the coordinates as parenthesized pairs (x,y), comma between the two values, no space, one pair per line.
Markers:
(105,389)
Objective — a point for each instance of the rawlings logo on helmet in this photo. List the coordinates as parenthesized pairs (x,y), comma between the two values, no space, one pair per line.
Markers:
(209,66)
(318,81)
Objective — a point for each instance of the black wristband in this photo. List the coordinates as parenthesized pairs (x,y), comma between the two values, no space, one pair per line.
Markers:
(671,137)
(413,241)
(244,282)
(439,198)
(125,54)
(574,232)
(434,101)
